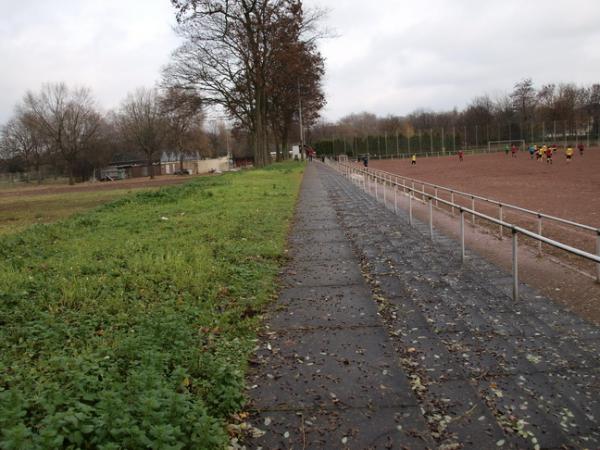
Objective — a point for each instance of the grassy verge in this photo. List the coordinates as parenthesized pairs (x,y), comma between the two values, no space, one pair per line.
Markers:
(19,212)
(130,326)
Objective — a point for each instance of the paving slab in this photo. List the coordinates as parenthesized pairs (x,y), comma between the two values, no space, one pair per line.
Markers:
(317,236)
(318,307)
(323,273)
(391,428)
(330,251)
(340,367)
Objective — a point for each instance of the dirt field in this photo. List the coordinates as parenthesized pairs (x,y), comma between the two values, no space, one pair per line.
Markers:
(570,191)
(35,204)
(134,183)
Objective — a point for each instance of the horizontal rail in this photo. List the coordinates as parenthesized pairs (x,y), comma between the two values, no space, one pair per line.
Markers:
(492,201)
(388,178)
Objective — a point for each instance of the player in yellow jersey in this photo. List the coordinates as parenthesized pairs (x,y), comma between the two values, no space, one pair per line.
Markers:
(413,160)
(569,153)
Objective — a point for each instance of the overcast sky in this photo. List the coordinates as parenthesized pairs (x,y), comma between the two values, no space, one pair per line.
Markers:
(389,58)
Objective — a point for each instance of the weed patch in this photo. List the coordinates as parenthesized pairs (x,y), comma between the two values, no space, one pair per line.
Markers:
(129,326)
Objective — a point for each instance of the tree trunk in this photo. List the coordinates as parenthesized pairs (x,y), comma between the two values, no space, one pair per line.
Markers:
(71,177)
(150,167)
(259,159)
(284,145)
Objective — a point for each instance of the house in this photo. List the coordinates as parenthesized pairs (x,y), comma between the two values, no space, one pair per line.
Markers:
(194,164)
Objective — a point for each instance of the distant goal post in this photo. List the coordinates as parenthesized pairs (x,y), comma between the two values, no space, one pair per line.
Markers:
(498,146)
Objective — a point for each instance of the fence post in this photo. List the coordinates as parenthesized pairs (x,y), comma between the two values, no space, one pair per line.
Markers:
(540,233)
(431,218)
(515,264)
(384,189)
(436,197)
(423,191)
(396,199)
(452,201)
(410,218)
(598,253)
(462,235)
(500,215)
(473,208)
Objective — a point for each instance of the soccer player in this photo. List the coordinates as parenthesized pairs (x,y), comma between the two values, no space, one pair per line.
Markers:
(506,149)
(569,153)
(541,152)
(548,155)
(532,150)
(580,147)
(461,154)
(513,151)
(413,160)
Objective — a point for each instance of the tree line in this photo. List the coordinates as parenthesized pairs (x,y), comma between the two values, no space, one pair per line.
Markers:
(558,112)
(62,127)
(257,61)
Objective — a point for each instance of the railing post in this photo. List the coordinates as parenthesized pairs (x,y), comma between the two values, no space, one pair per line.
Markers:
(452,201)
(436,197)
(500,216)
(598,253)
(473,208)
(423,191)
(431,218)
(540,233)
(410,198)
(384,189)
(395,198)
(376,188)
(515,264)
(462,235)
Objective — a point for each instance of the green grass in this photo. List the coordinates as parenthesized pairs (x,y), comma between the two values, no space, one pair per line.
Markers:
(130,326)
(20,211)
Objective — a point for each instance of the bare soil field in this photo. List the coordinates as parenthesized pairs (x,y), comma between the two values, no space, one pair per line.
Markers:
(567,190)
(133,183)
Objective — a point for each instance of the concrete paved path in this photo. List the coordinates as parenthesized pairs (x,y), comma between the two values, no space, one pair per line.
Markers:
(381,339)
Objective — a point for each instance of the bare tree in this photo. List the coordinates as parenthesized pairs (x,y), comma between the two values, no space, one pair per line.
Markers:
(19,138)
(66,118)
(228,51)
(143,124)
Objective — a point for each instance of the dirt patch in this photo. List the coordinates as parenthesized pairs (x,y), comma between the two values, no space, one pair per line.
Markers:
(568,190)
(134,183)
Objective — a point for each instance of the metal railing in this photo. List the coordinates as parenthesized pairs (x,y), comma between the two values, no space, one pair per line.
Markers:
(368,177)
